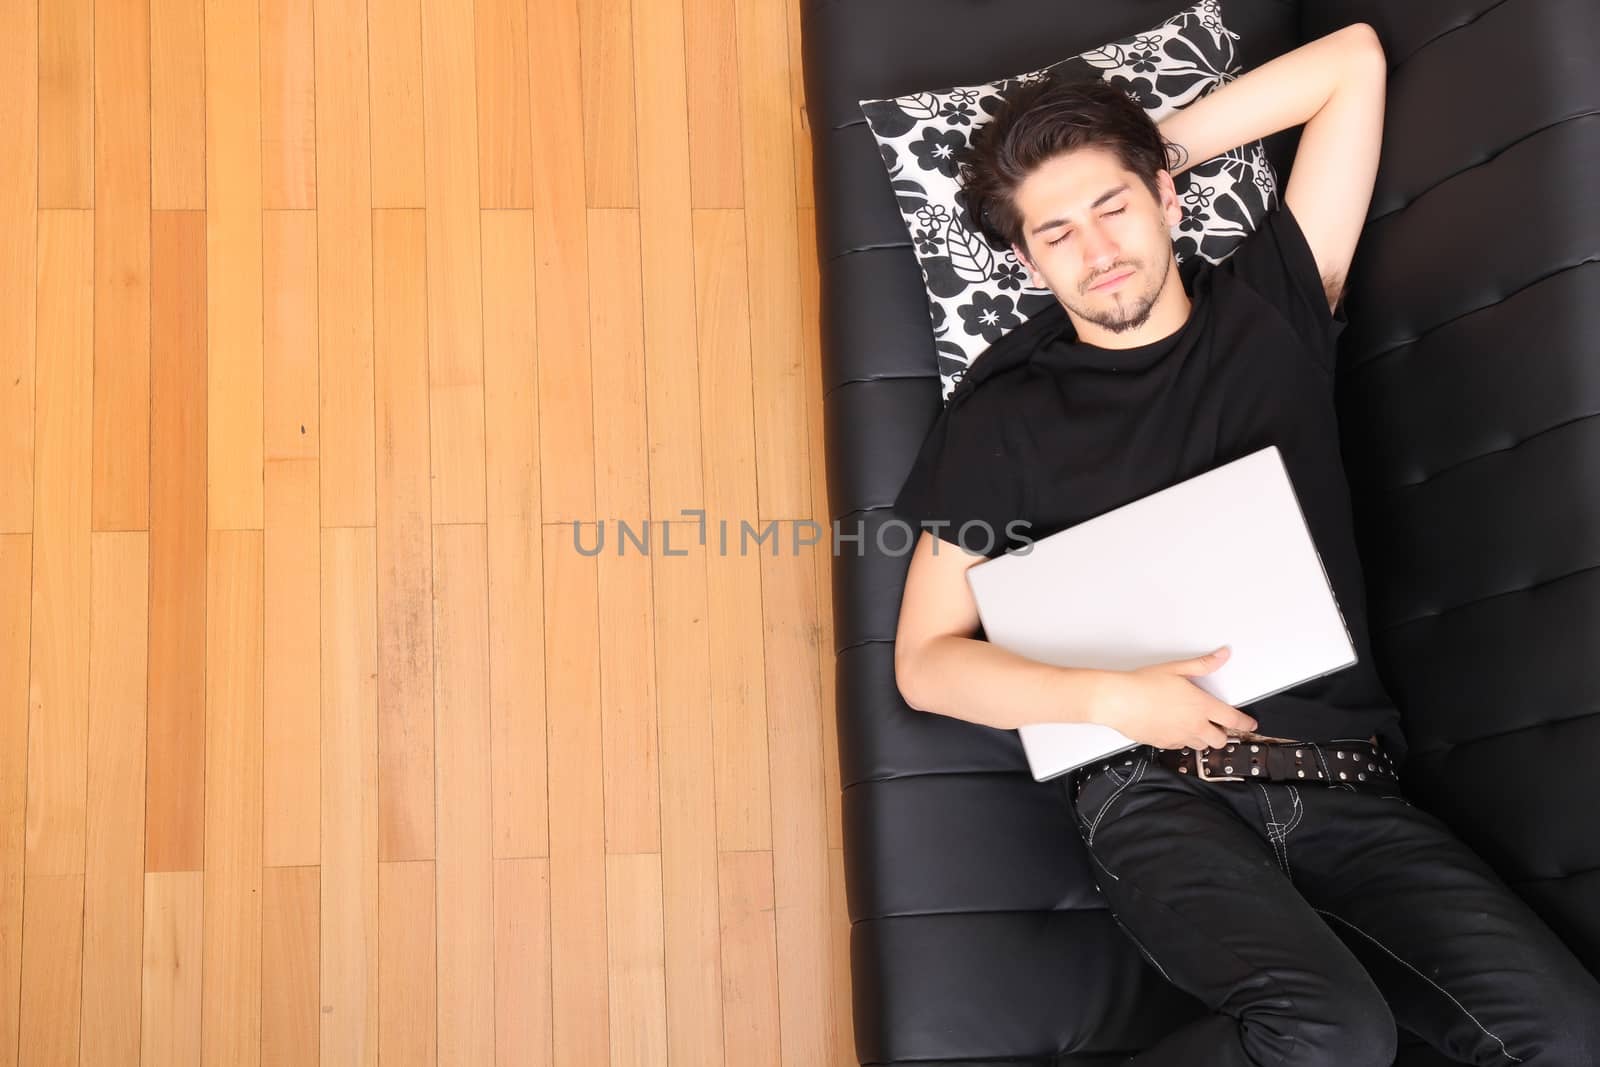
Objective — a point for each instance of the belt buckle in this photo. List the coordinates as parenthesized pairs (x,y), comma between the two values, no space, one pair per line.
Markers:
(1200,769)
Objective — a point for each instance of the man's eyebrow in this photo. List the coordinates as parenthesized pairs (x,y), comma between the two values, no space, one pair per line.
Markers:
(1102,198)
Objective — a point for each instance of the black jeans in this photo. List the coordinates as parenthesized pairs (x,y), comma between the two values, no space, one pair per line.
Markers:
(1311,918)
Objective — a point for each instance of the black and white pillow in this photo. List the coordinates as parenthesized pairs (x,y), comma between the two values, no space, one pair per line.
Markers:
(977,293)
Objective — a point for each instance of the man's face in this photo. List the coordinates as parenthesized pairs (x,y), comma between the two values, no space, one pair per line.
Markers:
(1097,237)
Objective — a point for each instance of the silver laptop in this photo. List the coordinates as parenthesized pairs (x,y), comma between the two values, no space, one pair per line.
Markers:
(1224,558)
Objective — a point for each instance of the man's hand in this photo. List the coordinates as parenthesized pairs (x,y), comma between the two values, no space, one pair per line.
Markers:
(1334,85)
(1158,705)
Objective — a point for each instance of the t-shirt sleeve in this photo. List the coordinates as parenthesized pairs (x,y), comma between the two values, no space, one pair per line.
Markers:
(1276,261)
(964,485)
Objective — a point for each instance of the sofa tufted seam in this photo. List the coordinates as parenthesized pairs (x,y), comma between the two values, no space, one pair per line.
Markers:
(1475,164)
(1487,596)
(1415,754)
(1380,353)
(866,248)
(1581,872)
(1409,56)
(932,376)
(1448,467)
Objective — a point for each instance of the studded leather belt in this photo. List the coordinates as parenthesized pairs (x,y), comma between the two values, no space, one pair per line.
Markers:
(1329,762)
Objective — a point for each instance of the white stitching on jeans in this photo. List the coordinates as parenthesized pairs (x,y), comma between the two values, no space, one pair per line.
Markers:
(1138,944)
(1138,772)
(1274,828)
(1278,832)
(1425,978)
(1297,813)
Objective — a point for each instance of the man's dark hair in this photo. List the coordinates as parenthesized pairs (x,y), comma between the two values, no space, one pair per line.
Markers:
(1038,121)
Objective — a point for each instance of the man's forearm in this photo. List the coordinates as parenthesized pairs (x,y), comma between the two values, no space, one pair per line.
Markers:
(983,683)
(1284,92)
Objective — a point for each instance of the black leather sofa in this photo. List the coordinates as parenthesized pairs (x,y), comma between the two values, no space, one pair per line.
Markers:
(1467,383)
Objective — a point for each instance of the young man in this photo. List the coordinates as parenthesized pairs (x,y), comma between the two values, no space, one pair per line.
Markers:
(1300,897)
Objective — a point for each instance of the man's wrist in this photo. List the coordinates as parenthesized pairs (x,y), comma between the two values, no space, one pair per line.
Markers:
(1086,693)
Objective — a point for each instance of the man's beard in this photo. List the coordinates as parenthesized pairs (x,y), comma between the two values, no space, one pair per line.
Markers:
(1120,318)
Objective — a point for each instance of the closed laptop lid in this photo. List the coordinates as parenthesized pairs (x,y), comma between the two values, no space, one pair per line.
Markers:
(1223,558)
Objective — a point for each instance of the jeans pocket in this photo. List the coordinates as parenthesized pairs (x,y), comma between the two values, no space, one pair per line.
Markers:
(1097,796)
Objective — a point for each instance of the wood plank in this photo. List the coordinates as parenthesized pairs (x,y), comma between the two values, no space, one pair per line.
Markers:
(405,569)
(628,701)
(52,965)
(733,579)
(799,836)
(622,432)
(801,125)
(19,276)
(454,258)
(395,80)
(464,870)
(666,242)
(511,457)
(16,560)
(290,742)
(406,990)
(113,906)
(288,105)
(169,1029)
(722,311)
(577,803)
(234,499)
(712,81)
(174,801)
(177,105)
(122,267)
(561,248)
(344,219)
(522,1025)
(622,494)
(843,1026)
(230,990)
(688,803)
(749,958)
(637,969)
(289,974)
(505,152)
(59,664)
(66,104)
(609,133)
(349,875)
(764,107)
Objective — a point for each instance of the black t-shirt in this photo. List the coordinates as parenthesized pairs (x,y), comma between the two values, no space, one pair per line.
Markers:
(1054,432)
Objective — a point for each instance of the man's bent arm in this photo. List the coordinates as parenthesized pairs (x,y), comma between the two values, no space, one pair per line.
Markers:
(1334,85)
(983,683)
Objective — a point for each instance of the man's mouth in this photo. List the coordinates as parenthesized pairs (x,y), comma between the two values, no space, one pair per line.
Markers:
(1112,282)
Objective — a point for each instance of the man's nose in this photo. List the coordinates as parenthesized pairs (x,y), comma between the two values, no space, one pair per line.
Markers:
(1099,250)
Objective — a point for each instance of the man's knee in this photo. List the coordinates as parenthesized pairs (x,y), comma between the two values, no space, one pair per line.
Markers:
(1350,1026)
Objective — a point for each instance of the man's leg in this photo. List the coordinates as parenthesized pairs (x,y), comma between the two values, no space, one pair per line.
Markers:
(1200,891)
(1463,961)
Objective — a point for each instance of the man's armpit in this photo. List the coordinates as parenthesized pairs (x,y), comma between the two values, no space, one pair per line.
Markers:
(1333,291)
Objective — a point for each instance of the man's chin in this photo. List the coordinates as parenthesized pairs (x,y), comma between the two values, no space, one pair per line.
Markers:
(1117,323)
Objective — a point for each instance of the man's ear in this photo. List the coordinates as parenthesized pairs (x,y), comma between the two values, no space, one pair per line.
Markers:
(1022,257)
(1171,209)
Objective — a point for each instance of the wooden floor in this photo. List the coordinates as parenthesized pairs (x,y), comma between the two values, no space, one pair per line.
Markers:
(321,740)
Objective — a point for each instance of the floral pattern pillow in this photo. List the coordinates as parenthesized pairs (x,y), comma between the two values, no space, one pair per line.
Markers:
(977,293)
